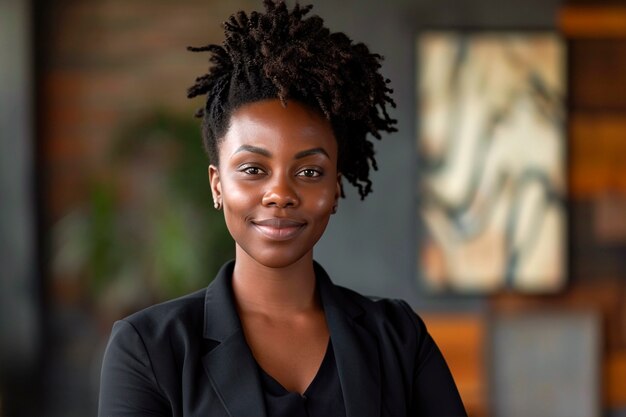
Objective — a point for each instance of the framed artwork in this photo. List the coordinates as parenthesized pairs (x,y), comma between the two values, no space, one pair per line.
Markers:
(491,152)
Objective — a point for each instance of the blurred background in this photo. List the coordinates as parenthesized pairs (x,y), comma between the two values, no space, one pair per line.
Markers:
(105,206)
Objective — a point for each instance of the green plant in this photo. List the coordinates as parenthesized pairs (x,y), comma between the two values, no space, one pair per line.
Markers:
(147,230)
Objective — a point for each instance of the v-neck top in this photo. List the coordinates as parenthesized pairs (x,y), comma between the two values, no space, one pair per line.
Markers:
(322,398)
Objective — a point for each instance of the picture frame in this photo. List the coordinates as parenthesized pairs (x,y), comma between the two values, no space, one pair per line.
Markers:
(491,147)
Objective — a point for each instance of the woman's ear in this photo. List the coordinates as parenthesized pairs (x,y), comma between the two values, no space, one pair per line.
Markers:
(338,190)
(337,194)
(216,185)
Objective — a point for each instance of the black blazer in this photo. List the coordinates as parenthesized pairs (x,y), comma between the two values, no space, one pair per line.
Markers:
(189,357)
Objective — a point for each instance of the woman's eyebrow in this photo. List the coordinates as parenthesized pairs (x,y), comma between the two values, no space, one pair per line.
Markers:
(268,154)
(253,149)
(314,151)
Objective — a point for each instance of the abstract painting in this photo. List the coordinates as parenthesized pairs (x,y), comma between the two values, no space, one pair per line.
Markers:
(491,153)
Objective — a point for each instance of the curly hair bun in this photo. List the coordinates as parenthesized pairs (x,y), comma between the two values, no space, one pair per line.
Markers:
(284,54)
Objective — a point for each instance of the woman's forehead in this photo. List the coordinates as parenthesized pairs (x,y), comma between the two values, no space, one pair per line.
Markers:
(270,124)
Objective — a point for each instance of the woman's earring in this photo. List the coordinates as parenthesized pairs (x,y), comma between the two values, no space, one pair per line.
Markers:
(217,205)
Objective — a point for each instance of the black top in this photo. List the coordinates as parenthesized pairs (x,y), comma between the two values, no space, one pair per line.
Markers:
(189,357)
(322,398)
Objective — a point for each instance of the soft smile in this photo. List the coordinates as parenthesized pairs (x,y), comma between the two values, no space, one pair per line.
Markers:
(279,228)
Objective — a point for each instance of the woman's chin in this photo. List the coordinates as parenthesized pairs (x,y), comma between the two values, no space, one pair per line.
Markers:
(275,259)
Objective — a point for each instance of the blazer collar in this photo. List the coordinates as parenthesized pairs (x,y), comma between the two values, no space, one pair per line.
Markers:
(233,371)
(220,315)
(230,366)
(356,350)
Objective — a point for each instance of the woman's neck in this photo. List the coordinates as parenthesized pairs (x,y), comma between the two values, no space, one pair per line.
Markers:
(274,292)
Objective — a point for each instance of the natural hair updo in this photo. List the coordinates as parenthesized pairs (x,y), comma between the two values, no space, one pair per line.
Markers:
(280,54)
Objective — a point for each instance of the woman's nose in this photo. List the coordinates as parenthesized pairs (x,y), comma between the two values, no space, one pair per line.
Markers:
(281,193)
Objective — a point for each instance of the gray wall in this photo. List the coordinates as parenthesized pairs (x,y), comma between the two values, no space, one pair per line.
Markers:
(371,246)
(19,329)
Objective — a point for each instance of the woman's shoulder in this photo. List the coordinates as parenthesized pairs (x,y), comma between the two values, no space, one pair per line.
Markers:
(159,319)
(388,314)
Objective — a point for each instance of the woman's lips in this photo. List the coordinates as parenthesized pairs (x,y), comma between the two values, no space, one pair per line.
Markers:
(279,229)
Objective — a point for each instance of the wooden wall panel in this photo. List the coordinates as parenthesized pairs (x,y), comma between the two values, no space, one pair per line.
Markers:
(597,154)
(462,338)
(593,21)
(615,380)
(598,74)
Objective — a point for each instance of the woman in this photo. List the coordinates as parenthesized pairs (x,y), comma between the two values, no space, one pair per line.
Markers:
(288,108)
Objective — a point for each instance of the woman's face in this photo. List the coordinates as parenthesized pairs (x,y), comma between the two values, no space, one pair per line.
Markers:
(277,180)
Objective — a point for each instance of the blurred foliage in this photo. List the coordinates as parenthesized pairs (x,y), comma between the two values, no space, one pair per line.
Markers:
(148,230)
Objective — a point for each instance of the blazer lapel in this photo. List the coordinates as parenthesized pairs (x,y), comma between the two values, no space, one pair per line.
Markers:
(356,351)
(230,366)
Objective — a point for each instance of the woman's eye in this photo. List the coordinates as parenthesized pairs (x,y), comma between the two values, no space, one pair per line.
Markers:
(309,173)
(252,170)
